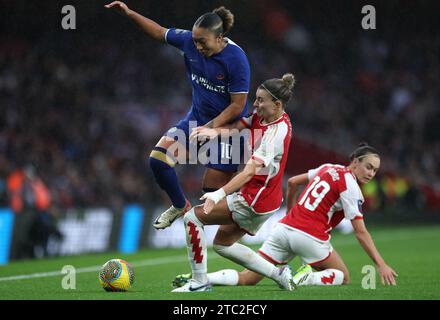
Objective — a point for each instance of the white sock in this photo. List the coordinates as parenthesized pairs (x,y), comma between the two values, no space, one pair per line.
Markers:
(248,258)
(196,246)
(331,277)
(226,277)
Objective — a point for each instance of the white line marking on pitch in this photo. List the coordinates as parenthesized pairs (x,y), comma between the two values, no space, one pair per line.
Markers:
(141,263)
(173,259)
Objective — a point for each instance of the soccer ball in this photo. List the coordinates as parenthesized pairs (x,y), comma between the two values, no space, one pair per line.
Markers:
(116,275)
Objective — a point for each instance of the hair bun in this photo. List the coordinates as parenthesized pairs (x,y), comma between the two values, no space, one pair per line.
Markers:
(227,18)
(362,144)
(289,80)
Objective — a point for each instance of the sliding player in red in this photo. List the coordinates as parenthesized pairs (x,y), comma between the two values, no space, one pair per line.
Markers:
(259,184)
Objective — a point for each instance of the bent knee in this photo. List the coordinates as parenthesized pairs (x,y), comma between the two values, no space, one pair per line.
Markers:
(192,215)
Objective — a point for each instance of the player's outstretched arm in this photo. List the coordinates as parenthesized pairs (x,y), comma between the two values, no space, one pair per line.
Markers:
(387,274)
(212,198)
(243,177)
(151,28)
(292,188)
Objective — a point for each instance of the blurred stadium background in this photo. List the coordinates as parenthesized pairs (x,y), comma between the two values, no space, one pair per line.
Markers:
(81,110)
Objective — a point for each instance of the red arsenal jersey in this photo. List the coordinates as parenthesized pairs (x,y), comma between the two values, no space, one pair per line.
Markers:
(331,195)
(270,146)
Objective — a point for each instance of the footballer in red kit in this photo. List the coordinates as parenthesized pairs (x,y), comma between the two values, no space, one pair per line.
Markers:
(243,204)
(264,192)
(332,193)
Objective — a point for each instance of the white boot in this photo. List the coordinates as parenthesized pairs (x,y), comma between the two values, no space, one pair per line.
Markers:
(194,286)
(167,218)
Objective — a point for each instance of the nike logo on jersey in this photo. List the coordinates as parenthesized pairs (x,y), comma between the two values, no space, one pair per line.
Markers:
(179,31)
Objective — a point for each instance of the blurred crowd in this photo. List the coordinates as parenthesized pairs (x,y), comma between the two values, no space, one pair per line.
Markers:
(82,109)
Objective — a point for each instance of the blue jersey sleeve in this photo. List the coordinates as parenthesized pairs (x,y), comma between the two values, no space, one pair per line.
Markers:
(178,37)
(240,75)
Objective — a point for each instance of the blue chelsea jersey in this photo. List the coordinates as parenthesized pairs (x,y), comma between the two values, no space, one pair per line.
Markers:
(213,79)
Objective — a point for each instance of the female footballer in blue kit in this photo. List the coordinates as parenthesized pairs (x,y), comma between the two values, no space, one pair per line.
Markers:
(220,77)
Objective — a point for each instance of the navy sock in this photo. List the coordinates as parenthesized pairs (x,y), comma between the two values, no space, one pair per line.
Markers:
(167,179)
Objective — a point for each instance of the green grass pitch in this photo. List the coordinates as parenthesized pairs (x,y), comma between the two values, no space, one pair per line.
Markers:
(414,252)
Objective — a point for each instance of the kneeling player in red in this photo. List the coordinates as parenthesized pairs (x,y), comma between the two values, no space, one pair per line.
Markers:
(332,193)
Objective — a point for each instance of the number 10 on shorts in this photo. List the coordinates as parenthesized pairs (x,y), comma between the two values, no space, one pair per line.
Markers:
(226,150)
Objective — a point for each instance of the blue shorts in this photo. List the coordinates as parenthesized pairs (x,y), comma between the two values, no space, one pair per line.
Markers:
(224,154)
